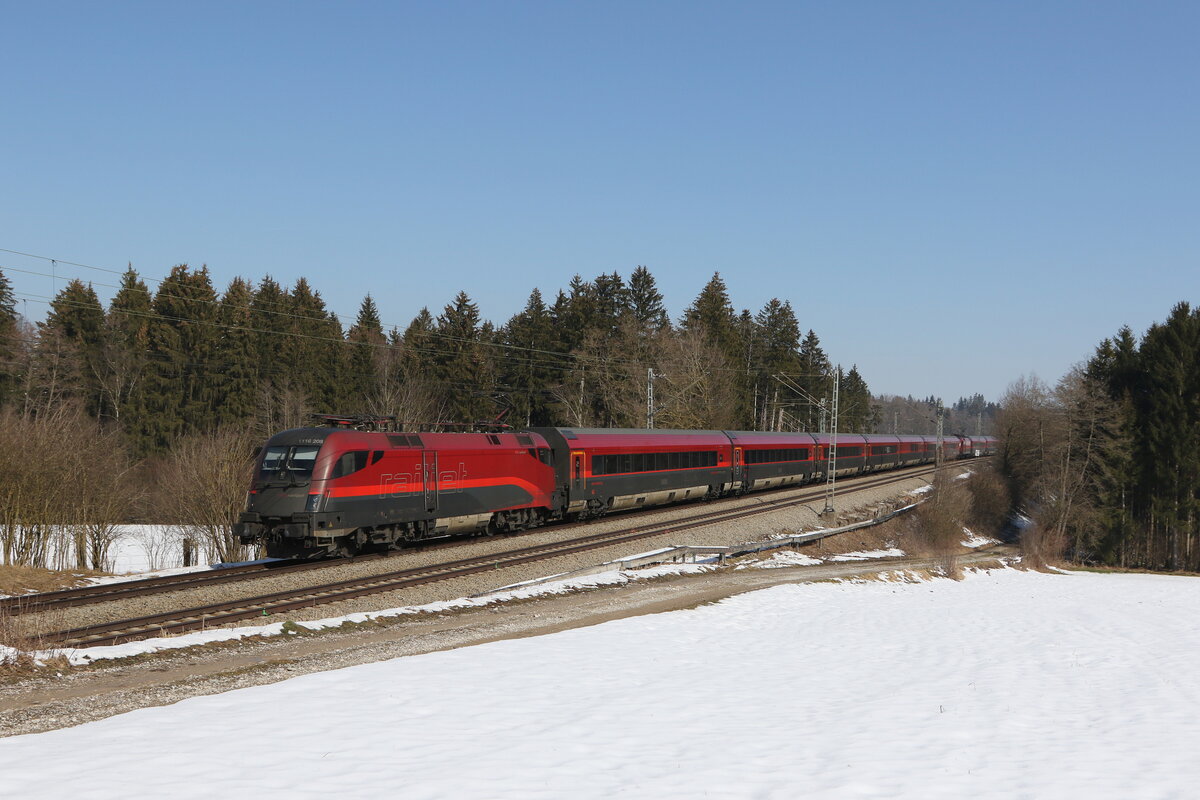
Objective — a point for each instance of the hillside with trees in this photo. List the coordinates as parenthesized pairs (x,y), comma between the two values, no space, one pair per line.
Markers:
(1107,462)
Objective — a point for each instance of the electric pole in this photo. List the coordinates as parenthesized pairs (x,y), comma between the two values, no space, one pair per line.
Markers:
(832,467)
(940,418)
(650,398)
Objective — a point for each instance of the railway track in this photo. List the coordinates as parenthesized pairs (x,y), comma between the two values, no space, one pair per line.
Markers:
(219,614)
(87,595)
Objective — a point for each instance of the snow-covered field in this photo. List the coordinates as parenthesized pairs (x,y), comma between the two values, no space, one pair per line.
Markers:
(1007,684)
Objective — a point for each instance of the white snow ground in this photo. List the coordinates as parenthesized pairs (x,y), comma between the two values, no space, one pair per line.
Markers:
(1006,684)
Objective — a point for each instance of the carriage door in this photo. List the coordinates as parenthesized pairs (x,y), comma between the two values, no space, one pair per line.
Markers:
(737,463)
(429,477)
(576,475)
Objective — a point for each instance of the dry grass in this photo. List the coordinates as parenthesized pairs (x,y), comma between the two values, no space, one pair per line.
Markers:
(22,580)
(26,634)
(1043,548)
(27,637)
(877,537)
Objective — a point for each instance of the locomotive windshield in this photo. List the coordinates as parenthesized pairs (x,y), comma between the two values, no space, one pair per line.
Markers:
(291,463)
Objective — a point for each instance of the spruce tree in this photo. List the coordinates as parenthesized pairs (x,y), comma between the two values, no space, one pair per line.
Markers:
(610,302)
(1115,468)
(646,302)
(418,342)
(574,314)
(712,317)
(367,341)
(855,413)
(269,317)
(9,349)
(529,370)
(1170,432)
(816,377)
(182,381)
(127,326)
(70,346)
(774,340)
(458,360)
(711,321)
(314,349)
(235,357)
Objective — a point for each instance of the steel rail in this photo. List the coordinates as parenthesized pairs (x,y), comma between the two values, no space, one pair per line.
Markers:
(120,590)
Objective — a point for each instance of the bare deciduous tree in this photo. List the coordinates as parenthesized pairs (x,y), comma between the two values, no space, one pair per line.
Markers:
(697,390)
(64,490)
(202,487)
(1050,443)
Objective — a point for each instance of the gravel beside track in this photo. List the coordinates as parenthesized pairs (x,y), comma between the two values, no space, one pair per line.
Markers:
(729,533)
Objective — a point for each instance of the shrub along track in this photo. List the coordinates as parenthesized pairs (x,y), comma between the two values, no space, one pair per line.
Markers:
(218,614)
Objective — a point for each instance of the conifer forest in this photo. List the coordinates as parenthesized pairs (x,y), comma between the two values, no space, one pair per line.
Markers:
(1107,462)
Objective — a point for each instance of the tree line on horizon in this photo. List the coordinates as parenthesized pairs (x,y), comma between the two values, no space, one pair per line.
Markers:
(185,358)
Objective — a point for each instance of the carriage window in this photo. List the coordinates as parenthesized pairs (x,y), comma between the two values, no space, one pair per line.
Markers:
(649,462)
(776,455)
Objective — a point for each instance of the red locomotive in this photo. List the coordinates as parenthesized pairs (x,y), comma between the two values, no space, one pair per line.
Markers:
(338,491)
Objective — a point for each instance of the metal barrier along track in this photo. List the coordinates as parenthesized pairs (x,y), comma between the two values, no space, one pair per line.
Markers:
(265,605)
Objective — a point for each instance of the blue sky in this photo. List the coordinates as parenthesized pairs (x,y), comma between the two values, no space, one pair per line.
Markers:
(951,194)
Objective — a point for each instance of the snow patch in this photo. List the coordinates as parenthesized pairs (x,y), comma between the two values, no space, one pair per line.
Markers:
(973,540)
(785,558)
(864,555)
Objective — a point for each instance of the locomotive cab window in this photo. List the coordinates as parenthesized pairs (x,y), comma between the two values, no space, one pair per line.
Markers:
(350,462)
(294,463)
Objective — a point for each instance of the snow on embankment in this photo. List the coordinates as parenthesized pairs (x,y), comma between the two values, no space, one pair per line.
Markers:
(1006,684)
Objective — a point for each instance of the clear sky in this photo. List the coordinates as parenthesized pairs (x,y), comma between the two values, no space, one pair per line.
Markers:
(951,194)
